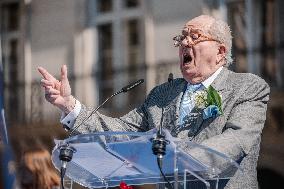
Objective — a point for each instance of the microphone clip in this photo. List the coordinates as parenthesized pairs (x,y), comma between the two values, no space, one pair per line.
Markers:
(159,145)
(65,155)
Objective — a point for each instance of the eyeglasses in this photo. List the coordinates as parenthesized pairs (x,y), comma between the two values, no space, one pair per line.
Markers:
(191,39)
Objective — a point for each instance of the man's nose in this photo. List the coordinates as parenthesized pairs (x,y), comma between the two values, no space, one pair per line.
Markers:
(186,42)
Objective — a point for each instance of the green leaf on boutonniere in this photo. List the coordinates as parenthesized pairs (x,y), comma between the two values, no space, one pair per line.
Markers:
(213,98)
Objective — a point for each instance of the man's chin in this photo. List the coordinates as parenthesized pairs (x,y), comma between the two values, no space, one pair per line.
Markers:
(192,78)
(188,77)
(188,71)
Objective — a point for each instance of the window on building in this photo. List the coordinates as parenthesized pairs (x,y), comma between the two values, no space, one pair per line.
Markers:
(121,54)
(105,61)
(269,68)
(104,6)
(134,57)
(133,44)
(10,17)
(131,3)
(237,22)
(10,45)
(264,47)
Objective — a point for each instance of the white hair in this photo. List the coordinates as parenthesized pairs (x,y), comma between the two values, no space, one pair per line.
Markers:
(221,31)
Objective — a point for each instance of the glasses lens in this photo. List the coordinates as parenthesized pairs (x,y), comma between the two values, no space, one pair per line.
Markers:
(178,39)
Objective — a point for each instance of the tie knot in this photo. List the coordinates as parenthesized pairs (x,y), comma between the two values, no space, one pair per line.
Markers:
(193,87)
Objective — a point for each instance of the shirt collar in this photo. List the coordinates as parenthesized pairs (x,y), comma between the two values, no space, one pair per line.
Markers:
(206,83)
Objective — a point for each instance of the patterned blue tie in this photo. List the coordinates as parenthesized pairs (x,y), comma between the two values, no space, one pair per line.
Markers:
(187,103)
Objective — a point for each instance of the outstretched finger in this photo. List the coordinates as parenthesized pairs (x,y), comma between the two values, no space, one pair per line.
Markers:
(45,74)
(65,89)
(64,73)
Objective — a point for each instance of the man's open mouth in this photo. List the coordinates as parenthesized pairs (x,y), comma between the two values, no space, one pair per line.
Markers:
(187,58)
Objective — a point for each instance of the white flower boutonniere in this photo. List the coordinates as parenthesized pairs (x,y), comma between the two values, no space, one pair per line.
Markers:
(200,99)
(210,101)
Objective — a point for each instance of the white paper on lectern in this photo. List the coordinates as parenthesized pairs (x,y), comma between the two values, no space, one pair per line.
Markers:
(95,159)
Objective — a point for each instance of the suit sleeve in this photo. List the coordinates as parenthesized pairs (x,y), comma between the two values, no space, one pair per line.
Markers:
(242,131)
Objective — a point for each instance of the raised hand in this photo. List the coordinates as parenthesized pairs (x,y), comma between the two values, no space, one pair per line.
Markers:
(57,92)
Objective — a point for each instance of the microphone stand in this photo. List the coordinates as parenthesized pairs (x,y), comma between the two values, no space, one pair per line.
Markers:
(65,155)
(159,148)
(123,90)
(160,142)
(92,112)
(66,151)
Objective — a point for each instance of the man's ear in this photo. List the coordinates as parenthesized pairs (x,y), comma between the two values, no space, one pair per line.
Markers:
(221,54)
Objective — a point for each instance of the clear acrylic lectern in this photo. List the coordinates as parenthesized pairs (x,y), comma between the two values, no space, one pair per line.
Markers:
(104,159)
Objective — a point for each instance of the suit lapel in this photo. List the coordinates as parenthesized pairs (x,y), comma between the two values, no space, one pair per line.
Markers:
(196,120)
(220,83)
(224,89)
(171,110)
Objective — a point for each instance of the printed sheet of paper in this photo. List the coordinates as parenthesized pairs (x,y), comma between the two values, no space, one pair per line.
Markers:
(95,159)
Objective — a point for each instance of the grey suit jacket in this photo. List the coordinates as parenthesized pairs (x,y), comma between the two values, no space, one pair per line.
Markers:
(236,133)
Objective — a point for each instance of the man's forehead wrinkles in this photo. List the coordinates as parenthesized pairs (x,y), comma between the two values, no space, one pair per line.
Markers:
(192,29)
(199,23)
(189,25)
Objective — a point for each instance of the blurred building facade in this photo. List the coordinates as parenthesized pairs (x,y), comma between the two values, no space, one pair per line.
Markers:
(108,43)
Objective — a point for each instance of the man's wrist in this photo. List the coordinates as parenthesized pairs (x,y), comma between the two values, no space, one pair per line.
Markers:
(69,119)
(69,105)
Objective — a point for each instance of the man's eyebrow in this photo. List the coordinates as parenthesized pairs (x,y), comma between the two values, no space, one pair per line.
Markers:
(195,30)
(185,31)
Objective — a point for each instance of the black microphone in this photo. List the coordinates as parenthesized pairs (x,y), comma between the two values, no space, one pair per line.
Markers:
(132,85)
(123,90)
(170,77)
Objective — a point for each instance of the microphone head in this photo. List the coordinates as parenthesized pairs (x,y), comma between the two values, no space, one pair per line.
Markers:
(171,77)
(132,85)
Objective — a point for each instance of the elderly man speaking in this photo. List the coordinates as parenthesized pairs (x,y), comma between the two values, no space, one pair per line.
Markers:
(231,123)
